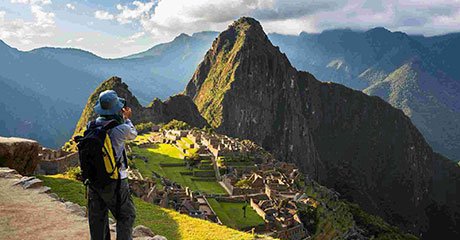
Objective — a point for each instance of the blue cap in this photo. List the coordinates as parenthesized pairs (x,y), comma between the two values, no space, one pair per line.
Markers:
(109,103)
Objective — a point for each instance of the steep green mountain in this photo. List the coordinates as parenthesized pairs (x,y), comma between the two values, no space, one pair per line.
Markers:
(361,146)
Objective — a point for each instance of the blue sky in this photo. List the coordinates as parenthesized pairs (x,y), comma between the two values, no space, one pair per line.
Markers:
(120,28)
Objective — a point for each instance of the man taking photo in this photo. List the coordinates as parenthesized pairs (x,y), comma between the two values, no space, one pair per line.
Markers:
(113,195)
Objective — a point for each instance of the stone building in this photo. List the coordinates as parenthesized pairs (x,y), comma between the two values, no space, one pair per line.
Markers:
(56,161)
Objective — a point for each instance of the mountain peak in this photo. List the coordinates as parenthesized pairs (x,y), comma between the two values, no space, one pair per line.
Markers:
(233,50)
(247,25)
(242,32)
(247,21)
(378,30)
(182,36)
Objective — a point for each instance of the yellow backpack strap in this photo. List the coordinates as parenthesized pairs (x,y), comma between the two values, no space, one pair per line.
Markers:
(110,162)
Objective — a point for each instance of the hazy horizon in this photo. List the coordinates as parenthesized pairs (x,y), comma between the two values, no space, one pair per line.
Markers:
(115,29)
(211,31)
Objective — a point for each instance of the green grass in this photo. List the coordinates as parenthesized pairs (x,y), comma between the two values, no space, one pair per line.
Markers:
(231,214)
(187,140)
(67,189)
(166,153)
(168,223)
(182,144)
(143,138)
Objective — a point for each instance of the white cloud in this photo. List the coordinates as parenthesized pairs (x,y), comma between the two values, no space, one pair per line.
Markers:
(32,2)
(171,17)
(43,19)
(75,40)
(103,15)
(155,21)
(127,14)
(26,32)
(134,37)
(70,6)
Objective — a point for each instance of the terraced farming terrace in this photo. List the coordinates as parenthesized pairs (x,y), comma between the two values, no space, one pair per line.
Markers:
(169,161)
(220,179)
(232,214)
(166,160)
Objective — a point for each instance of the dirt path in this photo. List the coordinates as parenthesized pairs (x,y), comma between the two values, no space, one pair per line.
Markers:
(26,214)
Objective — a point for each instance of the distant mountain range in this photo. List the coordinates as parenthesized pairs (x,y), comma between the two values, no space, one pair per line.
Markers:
(44,90)
(416,74)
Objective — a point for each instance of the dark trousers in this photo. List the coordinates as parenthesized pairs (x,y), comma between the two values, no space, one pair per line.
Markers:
(100,200)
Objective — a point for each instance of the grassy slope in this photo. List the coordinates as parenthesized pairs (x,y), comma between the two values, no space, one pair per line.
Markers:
(166,153)
(231,214)
(162,221)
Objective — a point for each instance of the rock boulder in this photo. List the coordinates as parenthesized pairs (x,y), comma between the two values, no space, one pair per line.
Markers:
(142,231)
(19,154)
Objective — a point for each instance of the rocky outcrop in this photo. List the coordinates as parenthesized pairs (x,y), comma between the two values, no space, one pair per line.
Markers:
(178,107)
(361,146)
(19,153)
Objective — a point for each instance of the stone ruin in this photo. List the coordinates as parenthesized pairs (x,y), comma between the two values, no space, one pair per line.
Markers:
(56,161)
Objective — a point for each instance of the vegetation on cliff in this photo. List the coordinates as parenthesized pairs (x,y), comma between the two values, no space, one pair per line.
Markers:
(223,54)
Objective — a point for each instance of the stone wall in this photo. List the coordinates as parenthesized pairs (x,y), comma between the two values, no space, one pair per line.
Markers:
(58,165)
(236,190)
(256,208)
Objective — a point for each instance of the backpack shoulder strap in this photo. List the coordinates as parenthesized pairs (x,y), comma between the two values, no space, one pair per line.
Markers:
(110,124)
(91,125)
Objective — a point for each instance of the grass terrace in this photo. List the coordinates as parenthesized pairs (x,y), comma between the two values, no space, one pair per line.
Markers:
(231,214)
(235,162)
(187,140)
(168,223)
(183,143)
(143,138)
(165,160)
